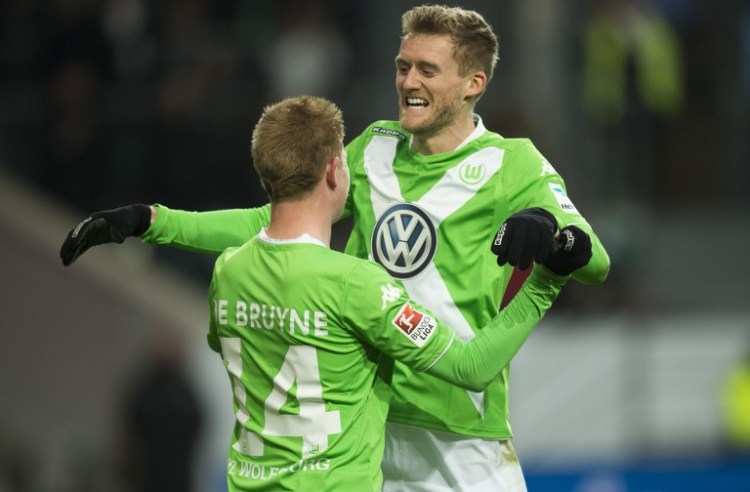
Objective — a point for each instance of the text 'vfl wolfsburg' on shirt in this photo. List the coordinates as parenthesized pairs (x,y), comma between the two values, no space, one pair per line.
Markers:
(307,335)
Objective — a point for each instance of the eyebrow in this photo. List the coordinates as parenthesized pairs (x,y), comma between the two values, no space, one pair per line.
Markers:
(420,64)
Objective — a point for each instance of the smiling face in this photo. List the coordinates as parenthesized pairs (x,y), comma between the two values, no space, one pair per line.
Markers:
(434,97)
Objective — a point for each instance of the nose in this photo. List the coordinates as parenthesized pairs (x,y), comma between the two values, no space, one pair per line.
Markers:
(411,80)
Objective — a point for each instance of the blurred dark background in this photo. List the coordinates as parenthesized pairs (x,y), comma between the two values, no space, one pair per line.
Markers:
(643,106)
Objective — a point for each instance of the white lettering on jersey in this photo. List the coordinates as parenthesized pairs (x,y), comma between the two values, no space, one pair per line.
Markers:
(249,469)
(268,317)
(221,311)
(241,313)
(547,169)
(390,294)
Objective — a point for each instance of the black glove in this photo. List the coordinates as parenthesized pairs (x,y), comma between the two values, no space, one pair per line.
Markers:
(526,235)
(107,226)
(572,251)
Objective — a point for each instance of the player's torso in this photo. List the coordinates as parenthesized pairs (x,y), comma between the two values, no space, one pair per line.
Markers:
(429,221)
(309,397)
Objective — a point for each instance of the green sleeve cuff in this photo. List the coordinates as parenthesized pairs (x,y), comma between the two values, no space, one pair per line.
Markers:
(154,231)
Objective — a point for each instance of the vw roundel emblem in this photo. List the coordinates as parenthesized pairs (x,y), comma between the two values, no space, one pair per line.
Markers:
(404,240)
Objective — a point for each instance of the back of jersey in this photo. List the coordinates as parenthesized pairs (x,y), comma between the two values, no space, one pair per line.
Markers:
(310,398)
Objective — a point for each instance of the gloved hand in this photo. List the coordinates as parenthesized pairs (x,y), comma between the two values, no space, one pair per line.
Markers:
(106,226)
(526,235)
(572,251)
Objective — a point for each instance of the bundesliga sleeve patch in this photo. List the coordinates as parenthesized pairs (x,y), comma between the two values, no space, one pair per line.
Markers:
(562,198)
(416,326)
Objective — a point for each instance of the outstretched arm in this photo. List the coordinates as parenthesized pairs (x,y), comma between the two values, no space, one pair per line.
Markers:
(475,364)
(205,232)
(379,310)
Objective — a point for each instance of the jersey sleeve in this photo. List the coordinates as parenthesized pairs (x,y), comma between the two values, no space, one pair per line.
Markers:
(206,232)
(531,181)
(475,364)
(377,309)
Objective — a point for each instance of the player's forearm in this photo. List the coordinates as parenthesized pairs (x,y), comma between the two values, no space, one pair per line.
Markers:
(205,232)
(476,364)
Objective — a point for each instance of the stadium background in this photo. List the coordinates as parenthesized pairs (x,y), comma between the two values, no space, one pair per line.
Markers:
(109,102)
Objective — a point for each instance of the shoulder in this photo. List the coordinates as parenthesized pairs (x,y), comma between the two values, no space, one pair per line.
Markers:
(359,270)
(521,153)
(513,147)
(228,257)
(365,280)
(516,146)
(335,265)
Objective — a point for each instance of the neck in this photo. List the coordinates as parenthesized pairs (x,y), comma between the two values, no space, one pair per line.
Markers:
(446,139)
(292,219)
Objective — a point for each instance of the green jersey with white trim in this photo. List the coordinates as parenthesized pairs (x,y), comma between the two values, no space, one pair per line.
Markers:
(301,329)
(429,221)
(308,337)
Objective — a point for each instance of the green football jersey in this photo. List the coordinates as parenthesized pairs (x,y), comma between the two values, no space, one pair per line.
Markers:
(308,337)
(429,220)
(302,331)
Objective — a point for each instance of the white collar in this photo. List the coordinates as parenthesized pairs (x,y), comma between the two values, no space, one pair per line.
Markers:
(478,131)
(303,239)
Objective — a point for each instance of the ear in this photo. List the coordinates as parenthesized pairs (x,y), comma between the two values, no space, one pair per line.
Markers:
(476,84)
(330,172)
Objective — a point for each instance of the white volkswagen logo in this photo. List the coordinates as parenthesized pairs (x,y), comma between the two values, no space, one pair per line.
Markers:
(404,240)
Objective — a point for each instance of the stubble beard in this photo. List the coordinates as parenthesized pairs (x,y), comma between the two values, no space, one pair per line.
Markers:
(445,116)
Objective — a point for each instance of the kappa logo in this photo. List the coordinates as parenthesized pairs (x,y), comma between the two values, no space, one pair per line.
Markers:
(390,294)
(500,234)
(415,325)
(386,131)
(79,226)
(547,169)
(404,240)
(471,174)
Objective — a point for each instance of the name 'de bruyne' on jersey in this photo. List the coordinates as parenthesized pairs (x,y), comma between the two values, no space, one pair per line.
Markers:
(269,317)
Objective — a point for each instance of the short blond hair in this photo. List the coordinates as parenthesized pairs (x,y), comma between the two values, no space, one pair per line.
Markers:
(475,43)
(293,141)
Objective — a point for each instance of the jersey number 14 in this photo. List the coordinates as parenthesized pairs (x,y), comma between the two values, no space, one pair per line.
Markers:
(313,423)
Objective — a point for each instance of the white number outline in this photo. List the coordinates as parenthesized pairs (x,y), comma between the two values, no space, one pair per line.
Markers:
(313,423)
